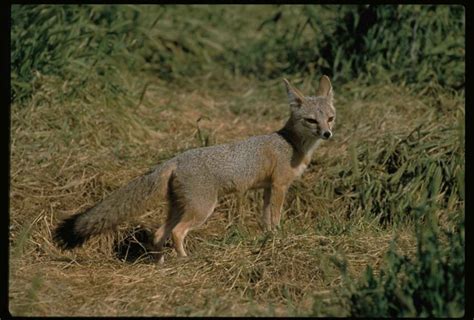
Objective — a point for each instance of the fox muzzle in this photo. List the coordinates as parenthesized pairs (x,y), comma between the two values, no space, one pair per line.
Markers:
(326,135)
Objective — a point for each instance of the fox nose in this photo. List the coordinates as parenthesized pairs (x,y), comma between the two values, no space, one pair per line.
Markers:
(327,135)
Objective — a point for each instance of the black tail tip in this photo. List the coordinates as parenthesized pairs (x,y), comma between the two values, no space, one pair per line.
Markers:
(65,235)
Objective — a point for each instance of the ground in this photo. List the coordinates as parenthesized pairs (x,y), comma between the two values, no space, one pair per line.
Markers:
(67,156)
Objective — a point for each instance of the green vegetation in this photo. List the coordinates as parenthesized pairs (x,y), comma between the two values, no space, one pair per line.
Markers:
(395,181)
(375,226)
(402,44)
(429,285)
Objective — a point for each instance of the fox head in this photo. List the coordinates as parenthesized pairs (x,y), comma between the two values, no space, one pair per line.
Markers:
(312,116)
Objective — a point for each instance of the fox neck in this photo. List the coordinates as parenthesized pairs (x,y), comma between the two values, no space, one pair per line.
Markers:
(302,144)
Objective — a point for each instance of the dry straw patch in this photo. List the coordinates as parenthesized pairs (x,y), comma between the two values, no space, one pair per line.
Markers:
(65,158)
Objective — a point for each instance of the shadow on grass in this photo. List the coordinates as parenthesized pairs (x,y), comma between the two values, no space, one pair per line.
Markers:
(136,245)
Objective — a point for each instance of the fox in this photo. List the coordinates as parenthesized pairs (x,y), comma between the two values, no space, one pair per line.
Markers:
(192,182)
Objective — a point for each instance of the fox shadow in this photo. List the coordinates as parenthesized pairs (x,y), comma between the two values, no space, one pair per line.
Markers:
(136,245)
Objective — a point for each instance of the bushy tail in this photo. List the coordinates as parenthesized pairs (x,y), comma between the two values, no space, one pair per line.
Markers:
(120,205)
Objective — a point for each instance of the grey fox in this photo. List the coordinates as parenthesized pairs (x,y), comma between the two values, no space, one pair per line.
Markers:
(192,181)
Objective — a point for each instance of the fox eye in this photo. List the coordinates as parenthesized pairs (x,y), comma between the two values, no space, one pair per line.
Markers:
(310,120)
(330,119)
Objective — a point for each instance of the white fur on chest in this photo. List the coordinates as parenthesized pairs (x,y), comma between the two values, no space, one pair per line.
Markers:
(300,169)
(313,147)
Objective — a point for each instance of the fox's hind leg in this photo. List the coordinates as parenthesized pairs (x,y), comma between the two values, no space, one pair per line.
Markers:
(195,214)
(187,211)
(163,232)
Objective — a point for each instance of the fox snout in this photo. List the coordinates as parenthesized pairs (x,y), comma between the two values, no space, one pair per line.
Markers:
(326,134)
(322,133)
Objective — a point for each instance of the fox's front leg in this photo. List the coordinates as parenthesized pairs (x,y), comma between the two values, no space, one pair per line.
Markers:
(267,213)
(273,198)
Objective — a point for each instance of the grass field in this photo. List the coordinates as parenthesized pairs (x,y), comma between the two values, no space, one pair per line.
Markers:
(380,206)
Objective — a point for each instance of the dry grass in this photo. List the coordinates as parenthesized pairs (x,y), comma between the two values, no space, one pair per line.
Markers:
(67,157)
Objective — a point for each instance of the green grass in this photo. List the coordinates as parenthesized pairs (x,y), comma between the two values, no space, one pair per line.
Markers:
(413,44)
(431,284)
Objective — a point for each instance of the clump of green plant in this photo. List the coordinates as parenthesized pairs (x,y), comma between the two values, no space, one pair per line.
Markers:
(78,44)
(430,284)
(401,43)
(413,44)
(390,179)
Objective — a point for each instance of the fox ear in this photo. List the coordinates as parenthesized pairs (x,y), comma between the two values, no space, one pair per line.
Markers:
(325,87)
(295,97)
